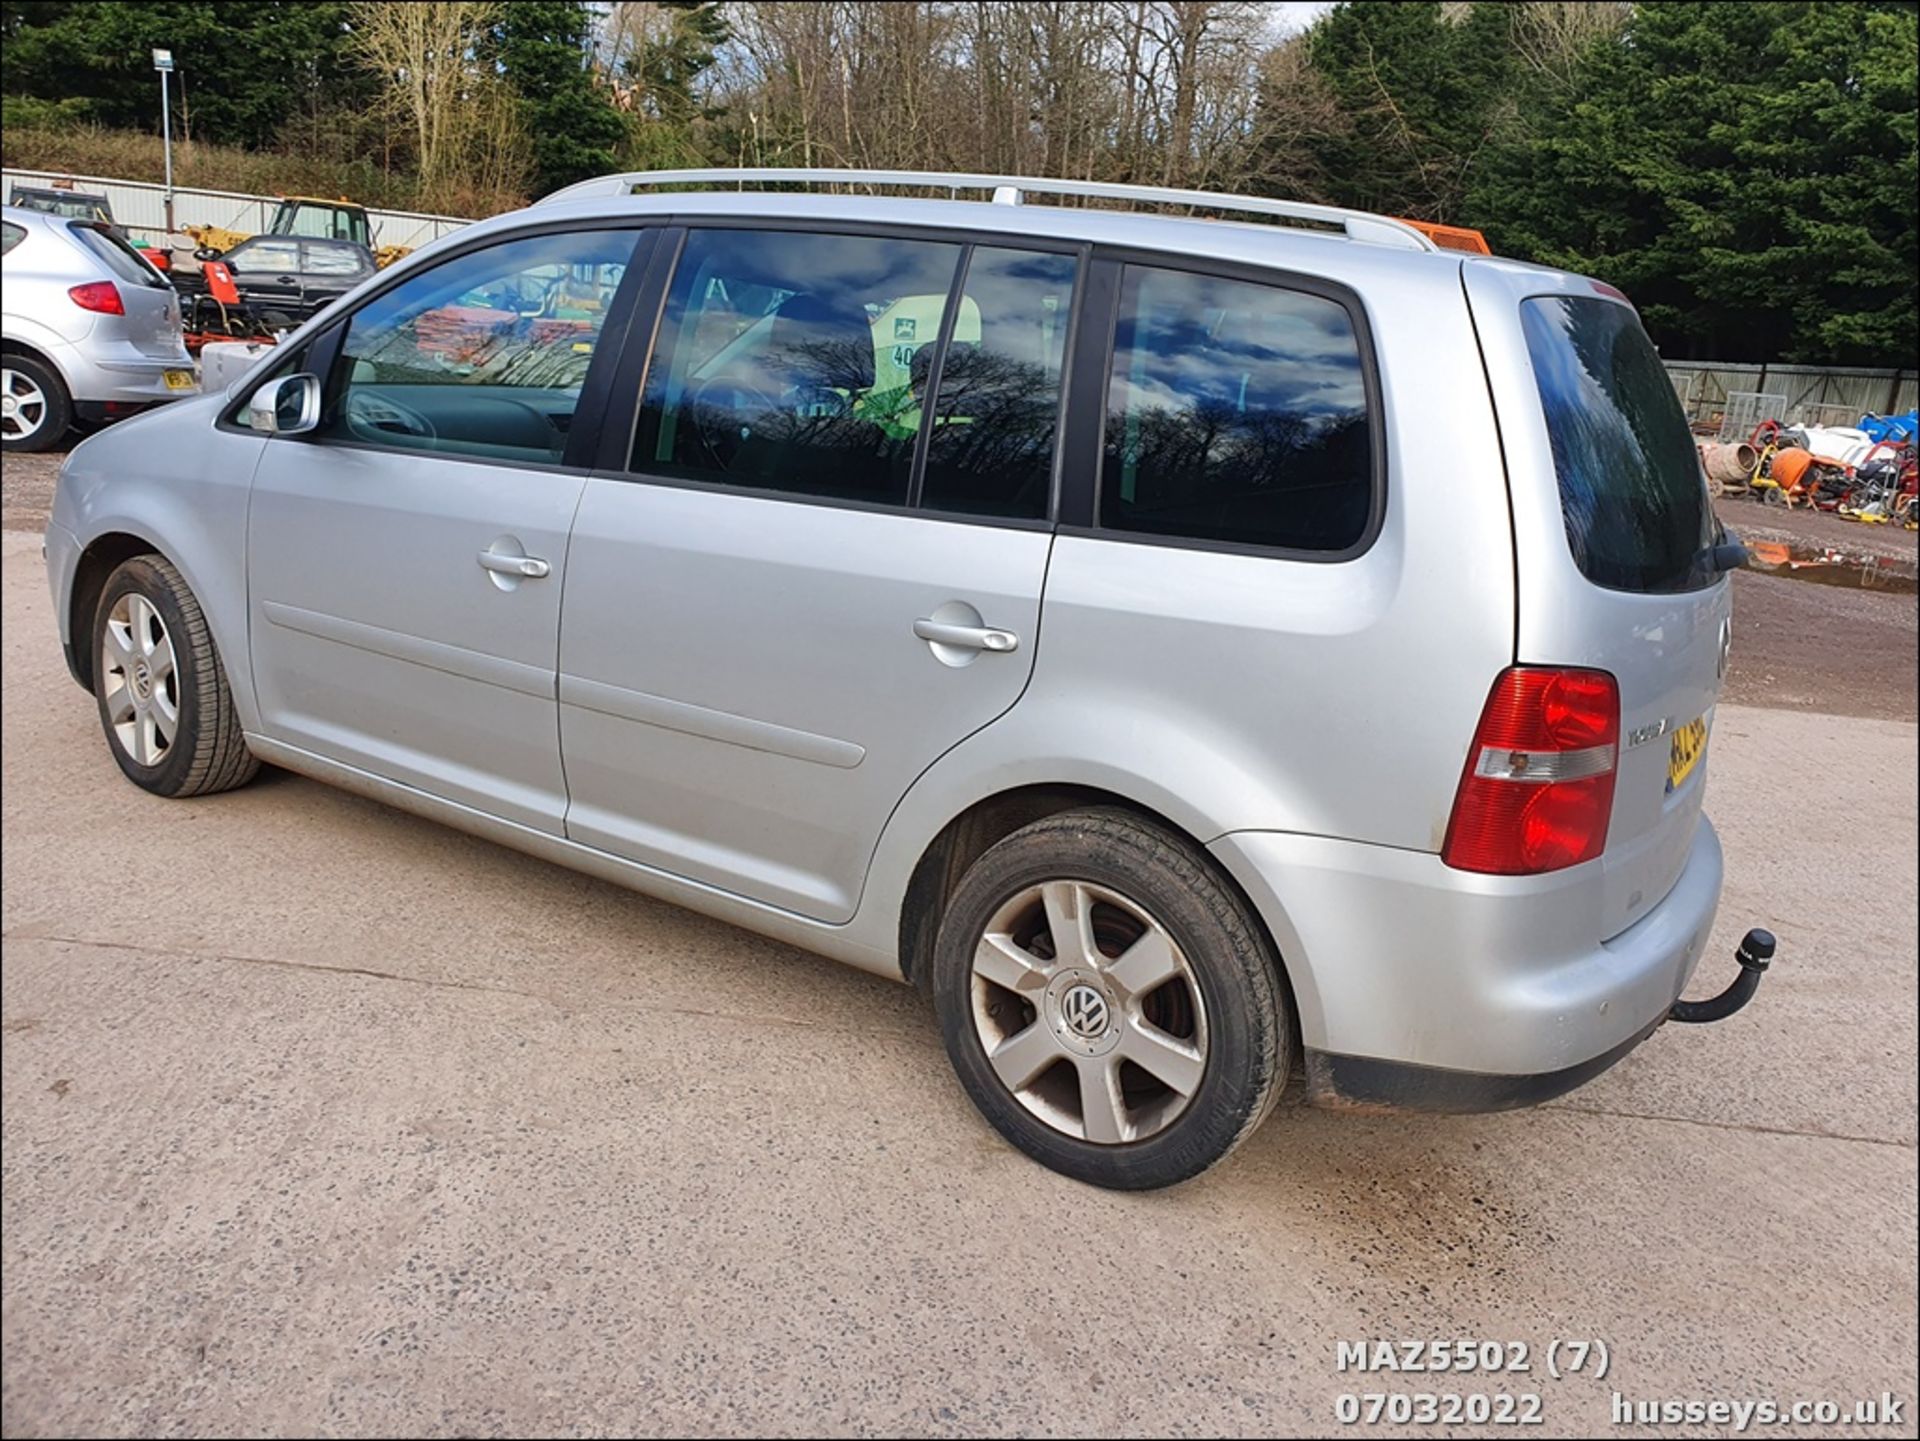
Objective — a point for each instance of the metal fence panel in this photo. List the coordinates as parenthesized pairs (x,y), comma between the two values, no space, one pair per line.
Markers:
(141,207)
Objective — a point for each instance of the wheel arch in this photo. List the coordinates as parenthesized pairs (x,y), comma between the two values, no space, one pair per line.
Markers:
(989,820)
(103,555)
(16,344)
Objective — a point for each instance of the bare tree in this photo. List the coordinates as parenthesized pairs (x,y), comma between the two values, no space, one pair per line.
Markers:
(466,135)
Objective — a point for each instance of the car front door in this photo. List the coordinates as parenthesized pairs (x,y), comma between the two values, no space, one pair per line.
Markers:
(406,558)
(805,582)
(267,273)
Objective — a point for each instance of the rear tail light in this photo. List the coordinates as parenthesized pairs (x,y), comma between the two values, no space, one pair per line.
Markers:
(101,295)
(1537,794)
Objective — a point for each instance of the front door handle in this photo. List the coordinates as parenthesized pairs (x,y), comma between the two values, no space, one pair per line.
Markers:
(971,637)
(527,566)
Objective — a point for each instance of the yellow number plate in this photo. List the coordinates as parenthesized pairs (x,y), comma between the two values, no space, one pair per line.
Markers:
(1689,745)
(179,379)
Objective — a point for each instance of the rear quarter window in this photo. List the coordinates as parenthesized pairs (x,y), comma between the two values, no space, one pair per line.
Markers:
(1237,412)
(1631,491)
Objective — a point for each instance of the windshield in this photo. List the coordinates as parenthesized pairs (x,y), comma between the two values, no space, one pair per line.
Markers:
(1631,490)
(68,207)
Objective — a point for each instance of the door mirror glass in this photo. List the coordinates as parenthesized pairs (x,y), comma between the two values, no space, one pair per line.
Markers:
(287,406)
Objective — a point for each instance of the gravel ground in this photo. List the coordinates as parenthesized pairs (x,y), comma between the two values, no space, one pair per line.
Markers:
(1753,520)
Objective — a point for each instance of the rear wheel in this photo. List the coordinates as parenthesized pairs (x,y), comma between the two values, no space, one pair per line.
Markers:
(35,410)
(163,695)
(1109,1002)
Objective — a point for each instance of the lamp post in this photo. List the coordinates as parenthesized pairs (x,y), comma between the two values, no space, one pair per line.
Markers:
(163,62)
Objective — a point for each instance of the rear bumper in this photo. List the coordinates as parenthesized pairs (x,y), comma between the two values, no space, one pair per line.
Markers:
(123,377)
(1427,988)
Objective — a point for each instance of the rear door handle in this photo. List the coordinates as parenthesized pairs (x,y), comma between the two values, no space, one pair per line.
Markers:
(528,566)
(972,637)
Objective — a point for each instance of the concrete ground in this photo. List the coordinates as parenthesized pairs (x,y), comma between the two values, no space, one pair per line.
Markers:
(321,1119)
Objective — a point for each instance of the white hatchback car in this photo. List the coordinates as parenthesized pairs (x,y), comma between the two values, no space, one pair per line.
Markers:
(1181,647)
(91,330)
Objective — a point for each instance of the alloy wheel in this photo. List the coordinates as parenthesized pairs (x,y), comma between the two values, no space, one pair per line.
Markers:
(137,667)
(23,405)
(1089,1012)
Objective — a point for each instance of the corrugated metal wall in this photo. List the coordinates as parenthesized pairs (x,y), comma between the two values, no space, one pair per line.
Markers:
(1809,394)
(141,208)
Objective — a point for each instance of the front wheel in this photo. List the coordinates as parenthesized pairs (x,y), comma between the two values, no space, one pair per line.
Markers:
(1109,1002)
(164,700)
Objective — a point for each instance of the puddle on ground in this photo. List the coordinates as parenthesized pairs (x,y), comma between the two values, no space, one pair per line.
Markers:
(1829,565)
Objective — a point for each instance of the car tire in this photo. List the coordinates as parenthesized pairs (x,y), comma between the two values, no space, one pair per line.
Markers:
(1160,1018)
(38,410)
(163,696)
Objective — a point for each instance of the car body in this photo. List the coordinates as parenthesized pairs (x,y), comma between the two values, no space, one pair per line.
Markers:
(284,280)
(119,353)
(82,205)
(1208,633)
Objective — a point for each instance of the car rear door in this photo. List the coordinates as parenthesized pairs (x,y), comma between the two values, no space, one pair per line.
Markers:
(328,272)
(804,583)
(406,559)
(1613,531)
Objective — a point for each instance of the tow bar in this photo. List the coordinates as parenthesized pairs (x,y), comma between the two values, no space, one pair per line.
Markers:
(1754,953)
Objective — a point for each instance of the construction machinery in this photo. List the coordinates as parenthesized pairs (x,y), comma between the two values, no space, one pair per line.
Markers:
(303,215)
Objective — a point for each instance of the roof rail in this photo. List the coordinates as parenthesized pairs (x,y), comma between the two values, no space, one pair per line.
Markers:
(1010,190)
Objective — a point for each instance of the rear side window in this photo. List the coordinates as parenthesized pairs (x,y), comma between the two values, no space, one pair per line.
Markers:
(332,260)
(1631,491)
(11,235)
(795,362)
(1236,412)
(121,258)
(990,451)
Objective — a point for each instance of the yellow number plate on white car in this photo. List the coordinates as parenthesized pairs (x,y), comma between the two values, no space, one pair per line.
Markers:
(1689,745)
(179,379)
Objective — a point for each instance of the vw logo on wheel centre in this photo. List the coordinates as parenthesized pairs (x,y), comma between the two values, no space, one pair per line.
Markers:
(1085,1011)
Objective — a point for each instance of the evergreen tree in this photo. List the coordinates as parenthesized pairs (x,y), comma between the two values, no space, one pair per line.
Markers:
(1746,172)
(541,46)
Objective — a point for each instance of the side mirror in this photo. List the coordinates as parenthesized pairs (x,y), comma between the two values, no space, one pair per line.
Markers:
(287,406)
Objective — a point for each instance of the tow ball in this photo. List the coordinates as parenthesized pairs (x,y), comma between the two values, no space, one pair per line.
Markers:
(1754,953)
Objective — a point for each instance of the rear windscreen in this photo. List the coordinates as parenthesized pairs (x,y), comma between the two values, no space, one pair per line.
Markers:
(121,258)
(1631,491)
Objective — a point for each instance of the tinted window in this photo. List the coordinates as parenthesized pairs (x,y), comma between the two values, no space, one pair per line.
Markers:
(484,354)
(1236,412)
(991,448)
(122,259)
(264,257)
(334,260)
(11,235)
(792,362)
(1631,491)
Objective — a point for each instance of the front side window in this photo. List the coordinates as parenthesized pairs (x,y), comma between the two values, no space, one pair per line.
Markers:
(265,257)
(795,362)
(1236,412)
(482,355)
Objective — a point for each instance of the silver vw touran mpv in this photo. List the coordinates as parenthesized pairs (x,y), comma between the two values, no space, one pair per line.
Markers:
(1190,649)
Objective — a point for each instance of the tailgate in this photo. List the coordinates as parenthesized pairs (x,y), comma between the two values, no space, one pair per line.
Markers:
(1611,516)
